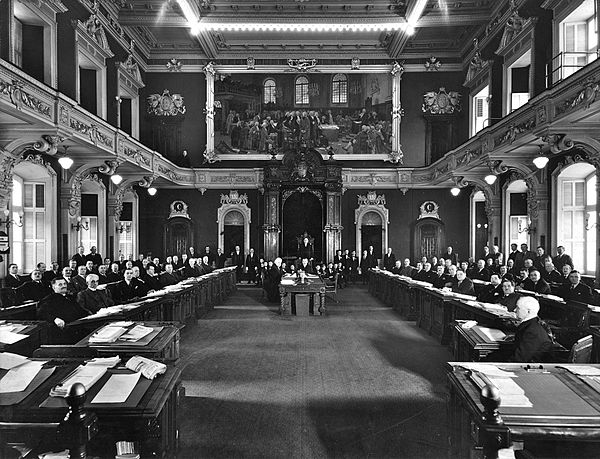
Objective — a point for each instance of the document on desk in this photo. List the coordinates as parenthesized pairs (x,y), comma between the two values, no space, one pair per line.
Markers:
(117,389)
(137,333)
(107,334)
(9,337)
(87,375)
(583,370)
(490,335)
(18,378)
(9,360)
(15,328)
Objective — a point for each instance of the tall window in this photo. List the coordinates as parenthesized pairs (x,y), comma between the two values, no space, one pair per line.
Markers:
(269,91)
(578,41)
(576,225)
(125,230)
(339,89)
(34,215)
(480,110)
(302,91)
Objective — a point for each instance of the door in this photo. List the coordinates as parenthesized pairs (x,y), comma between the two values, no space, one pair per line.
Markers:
(429,238)
(371,235)
(179,236)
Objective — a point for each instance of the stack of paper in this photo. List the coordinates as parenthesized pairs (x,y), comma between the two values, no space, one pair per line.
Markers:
(149,368)
(87,375)
(18,378)
(107,362)
(490,335)
(9,360)
(10,337)
(117,389)
(137,333)
(107,334)
(511,394)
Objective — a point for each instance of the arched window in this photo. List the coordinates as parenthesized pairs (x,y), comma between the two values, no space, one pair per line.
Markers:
(339,89)
(576,216)
(269,91)
(302,91)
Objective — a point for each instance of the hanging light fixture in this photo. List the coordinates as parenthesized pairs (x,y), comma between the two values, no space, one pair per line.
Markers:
(65,162)
(152,191)
(116,179)
(490,179)
(455,191)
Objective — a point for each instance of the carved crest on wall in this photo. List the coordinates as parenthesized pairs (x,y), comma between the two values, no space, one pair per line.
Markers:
(429,209)
(371,199)
(234,198)
(165,104)
(302,65)
(179,209)
(441,102)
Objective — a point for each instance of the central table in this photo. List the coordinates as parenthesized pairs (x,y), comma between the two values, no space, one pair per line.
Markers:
(310,286)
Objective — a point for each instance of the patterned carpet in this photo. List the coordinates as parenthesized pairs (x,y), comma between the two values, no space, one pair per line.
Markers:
(359,382)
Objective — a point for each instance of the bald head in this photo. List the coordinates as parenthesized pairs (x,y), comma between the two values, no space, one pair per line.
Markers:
(527,308)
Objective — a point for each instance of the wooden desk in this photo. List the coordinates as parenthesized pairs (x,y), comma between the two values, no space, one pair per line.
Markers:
(37,332)
(469,346)
(162,344)
(564,420)
(152,421)
(25,311)
(311,286)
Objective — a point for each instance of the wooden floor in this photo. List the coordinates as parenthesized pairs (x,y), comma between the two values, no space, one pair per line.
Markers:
(359,382)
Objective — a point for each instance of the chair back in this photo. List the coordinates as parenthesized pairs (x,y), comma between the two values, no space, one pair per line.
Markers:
(581,352)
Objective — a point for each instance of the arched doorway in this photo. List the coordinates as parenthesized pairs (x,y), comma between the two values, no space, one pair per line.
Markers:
(302,212)
(371,231)
(233,231)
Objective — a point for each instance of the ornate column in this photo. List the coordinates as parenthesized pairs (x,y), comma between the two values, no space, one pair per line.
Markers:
(271,228)
(397,112)
(537,209)
(333,224)
(493,210)
(7,164)
(210,72)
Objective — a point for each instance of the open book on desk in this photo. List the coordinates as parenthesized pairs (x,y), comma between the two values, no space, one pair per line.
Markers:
(148,368)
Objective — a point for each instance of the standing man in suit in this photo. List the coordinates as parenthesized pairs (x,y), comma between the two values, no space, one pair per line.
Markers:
(273,279)
(306,249)
(79,280)
(94,257)
(450,255)
(237,258)
(516,256)
(562,259)
(389,260)
(372,258)
(575,290)
(12,280)
(527,254)
(220,259)
(252,266)
(93,299)
(210,255)
(79,257)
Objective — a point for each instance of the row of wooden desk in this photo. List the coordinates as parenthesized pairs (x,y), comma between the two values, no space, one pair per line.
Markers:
(563,418)
(149,416)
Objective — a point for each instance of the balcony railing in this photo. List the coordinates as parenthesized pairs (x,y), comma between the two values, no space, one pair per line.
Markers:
(565,64)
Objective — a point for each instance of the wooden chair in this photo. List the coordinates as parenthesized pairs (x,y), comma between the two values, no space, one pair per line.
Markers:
(581,352)
(331,289)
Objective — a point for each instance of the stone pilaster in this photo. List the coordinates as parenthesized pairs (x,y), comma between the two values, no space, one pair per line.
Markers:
(333,225)
(271,228)
(210,73)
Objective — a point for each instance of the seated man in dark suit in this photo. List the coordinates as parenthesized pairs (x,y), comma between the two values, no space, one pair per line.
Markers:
(114,275)
(129,288)
(406,269)
(12,280)
(462,284)
(509,297)
(34,289)
(439,278)
(532,343)
(550,274)
(535,283)
(305,266)
(168,277)
(47,276)
(92,299)
(490,293)
(575,290)
(58,309)
(79,280)
(152,279)
(480,272)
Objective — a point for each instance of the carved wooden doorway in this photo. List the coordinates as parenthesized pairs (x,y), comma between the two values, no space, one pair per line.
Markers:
(429,238)
(179,235)
(302,212)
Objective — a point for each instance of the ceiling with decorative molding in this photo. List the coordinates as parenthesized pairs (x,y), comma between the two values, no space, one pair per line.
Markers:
(444,28)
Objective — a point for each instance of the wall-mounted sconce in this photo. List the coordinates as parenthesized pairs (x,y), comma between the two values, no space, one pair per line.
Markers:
(124,227)
(484,226)
(9,221)
(587,222)
(526,229)
(80,226)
